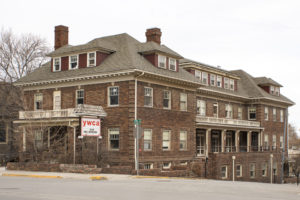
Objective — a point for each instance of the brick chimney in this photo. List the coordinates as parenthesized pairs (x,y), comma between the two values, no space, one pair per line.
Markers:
(61,36)
(153,34)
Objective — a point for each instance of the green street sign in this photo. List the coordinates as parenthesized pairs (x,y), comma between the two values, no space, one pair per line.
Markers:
(137,121)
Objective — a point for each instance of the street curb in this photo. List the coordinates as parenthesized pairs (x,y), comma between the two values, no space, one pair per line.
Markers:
(31,176)
(98,178)
(163,177)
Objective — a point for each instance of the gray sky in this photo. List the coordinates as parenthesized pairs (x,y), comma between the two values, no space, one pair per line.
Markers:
(261,37)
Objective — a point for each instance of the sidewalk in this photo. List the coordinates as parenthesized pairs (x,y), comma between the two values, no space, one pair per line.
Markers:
(33,174)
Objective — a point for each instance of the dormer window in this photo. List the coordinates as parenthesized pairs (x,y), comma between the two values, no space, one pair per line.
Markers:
(272,90)
(172,64)
(219,81)
(198,74)
(226,83)
(231,84)
(277,91)
(73,62)
(56,64)
(162,61)
(213,80)
(91,59)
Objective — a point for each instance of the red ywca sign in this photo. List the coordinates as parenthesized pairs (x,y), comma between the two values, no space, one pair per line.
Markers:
(90,127)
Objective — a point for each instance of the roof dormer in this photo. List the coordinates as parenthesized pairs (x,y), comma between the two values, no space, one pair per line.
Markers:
(269,85)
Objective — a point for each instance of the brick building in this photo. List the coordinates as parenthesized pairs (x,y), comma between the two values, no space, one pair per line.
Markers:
(190,112)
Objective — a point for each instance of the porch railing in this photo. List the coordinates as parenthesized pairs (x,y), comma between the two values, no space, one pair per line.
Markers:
(225,121)
(44,114)
(228,149)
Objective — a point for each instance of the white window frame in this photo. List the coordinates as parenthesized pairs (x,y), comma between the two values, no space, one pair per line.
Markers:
(183,140)
(56,93)
(162,59)
(213,80)
(146,94)
(266,113)
(266,141)
(250,170)
(251,109)
(281,116)
(274,141)
(183,100)
(76,102)
(198,75)
(112,131)
(169,99)
(228,111)
(70,64)
(226,83)
(231,84)
(225,173)
(175,66)
(36,95)
(166,165)
(54,67)
(277,91)
(272,89)
(166,140)
(148,166)
(109,95)
(264,169)
(201,107)
(274,114)
(240,113)
(281,142)
(88,59)
(241,170)
(219,80)
(205,78)
(148,140)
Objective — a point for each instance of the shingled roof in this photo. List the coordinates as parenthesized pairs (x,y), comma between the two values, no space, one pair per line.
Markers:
(266,81)
(125,55)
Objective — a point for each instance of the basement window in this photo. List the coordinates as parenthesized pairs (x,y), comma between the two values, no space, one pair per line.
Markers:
(114,135)
(239,170)
(166,165)
(148,166)
(224,172)
(73,62)
(264,170)
(252,170)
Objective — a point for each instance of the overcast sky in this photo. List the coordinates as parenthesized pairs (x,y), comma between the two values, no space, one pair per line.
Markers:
(262,37)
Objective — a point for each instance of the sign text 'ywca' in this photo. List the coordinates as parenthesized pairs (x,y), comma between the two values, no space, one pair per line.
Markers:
(90,127)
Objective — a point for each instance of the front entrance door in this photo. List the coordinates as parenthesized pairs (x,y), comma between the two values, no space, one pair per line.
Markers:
(200,142)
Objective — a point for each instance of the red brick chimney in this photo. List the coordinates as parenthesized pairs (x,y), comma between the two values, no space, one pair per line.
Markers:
(153,34)
(61,36)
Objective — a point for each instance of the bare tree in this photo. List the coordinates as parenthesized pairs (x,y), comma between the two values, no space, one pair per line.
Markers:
(20,55)
(294,140)
(295,165)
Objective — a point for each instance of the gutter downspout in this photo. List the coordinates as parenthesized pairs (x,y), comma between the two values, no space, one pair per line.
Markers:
(284,141)
(135,118)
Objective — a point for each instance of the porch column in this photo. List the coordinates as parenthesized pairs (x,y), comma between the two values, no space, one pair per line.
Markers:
(259,141)
(24,138)
(207,142)
(249,141)
(48,137)
(223,139)
(237,140)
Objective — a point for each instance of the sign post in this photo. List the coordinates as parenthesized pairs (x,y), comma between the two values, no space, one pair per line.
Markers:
(137,124)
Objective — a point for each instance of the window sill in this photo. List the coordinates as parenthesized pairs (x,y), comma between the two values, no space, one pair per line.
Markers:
(148,106)
(113,105)
(113,149)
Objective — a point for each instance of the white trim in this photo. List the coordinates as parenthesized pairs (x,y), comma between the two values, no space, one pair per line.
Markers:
(53,64)
(168,166)
(226,172)
(186,101)
(165,62)
(241,170)
(55,94)
(76,95)
(175,64)
(88,59)
(108,96)
(108,137)
(70,68)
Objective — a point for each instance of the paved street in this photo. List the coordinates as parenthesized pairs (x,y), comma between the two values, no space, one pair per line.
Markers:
(22,188)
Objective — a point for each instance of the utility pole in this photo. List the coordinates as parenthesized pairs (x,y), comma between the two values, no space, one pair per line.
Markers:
(138,135)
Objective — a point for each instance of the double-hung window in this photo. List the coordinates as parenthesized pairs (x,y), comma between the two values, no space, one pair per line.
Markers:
(38,101)
(148,97)
(266,141)
(183,101)
(252,113)
(274,168)
(277,91)
(224,172)
(266,113)
(228,111)
(226,83)
(147,139)
(219,81)
(166,140)
(274,142)
(113,96)
(73,62)
(201,107)
(114,137)
(239,170)
(231,84)
(252,170)
(3,131)
(198,74)
(281,142)
(215,109)
(91,60)
(212,80)
(57,100)
(264,169)
(166,99)
(183,140)
(272,89)
(56,64)
(162,61)
(79,97)
(240,113)
(204,78)
(274,114)
(281,116)
(172,64)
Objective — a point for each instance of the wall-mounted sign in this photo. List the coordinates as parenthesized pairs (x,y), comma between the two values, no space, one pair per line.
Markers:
(90,127)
